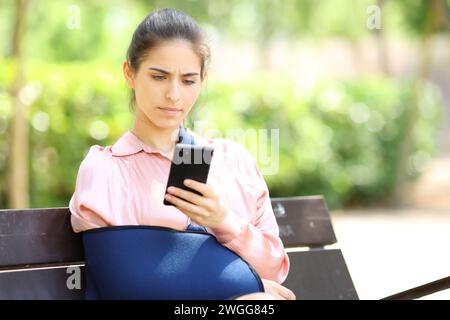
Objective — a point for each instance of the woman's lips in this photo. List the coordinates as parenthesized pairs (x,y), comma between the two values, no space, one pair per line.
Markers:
(171,111)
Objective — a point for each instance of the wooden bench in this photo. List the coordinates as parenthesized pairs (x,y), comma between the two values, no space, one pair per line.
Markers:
(41,258)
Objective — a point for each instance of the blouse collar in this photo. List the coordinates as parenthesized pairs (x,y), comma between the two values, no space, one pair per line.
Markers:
(129,144)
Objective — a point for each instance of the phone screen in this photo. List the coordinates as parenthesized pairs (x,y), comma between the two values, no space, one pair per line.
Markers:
(189,162)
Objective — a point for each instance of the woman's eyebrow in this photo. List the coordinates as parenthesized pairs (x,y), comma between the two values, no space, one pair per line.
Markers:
(189,74)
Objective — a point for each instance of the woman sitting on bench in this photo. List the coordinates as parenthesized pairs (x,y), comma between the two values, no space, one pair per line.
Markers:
(123,185)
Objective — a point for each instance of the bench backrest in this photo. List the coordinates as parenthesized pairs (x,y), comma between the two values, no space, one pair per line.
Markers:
(42,258)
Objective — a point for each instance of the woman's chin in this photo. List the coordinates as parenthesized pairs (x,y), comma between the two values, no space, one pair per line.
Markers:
(170,123)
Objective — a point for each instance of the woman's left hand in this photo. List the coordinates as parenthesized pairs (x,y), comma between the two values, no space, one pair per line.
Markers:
(206,210)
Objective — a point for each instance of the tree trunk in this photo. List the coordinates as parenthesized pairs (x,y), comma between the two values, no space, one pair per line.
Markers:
(18,195)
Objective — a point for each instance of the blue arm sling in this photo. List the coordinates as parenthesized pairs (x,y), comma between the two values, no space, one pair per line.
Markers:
(147,262)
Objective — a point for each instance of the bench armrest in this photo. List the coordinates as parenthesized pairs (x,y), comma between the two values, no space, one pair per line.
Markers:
(421,291)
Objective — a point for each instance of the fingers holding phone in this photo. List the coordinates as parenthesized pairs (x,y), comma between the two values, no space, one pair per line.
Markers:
(205,209)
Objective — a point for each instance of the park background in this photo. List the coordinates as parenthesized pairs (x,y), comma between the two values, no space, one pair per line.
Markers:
(359,91)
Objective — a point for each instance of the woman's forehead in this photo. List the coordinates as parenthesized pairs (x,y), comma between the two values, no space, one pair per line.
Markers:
(173,56)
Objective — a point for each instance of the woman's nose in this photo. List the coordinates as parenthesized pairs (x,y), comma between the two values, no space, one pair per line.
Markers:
(173,92)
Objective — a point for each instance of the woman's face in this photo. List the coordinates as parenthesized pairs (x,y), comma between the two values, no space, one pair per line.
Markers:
(167,84)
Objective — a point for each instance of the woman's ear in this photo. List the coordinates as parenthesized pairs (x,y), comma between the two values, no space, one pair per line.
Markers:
(205,75)
(128,74)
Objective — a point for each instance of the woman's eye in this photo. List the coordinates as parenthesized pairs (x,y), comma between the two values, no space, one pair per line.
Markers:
(159,78)
(189,82)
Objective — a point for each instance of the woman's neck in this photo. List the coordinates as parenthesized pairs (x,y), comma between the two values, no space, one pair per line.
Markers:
(155,137)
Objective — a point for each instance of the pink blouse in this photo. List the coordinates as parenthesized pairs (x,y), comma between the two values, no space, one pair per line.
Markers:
(125,185)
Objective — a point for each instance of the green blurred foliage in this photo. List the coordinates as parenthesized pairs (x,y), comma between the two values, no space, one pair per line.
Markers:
(106,26)
(340,139)
(71,105)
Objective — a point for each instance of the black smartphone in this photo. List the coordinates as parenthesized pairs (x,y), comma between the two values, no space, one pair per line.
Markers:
(189,162)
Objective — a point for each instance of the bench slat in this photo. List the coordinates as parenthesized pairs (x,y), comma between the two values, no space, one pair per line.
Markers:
(303,221)
(38,236)
(320,275)
(44,284)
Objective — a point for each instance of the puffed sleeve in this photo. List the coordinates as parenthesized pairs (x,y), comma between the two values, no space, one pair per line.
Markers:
(256,239)
(89,203)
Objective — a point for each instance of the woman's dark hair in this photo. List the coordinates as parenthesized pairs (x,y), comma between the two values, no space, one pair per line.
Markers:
(164,25)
